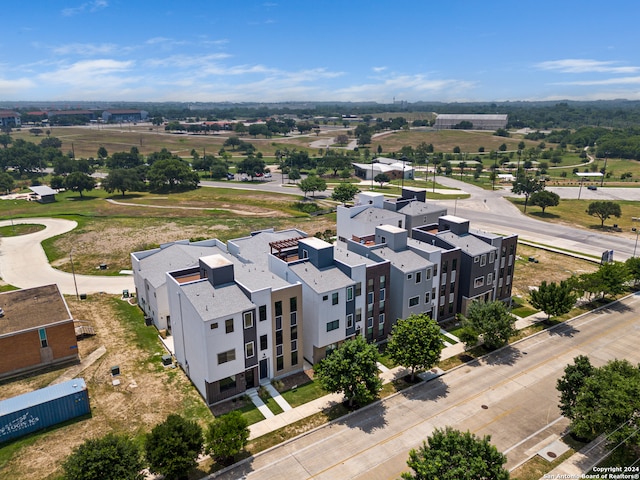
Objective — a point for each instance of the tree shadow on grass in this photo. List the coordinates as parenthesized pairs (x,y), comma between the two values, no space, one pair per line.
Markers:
(545,215)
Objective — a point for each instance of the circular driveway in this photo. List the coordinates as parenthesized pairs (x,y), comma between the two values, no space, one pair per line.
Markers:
(24,264)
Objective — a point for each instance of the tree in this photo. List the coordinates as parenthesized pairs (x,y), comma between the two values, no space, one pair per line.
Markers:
(79,182)
(345,192)
(5,139)
(608,402)
(122,180)
(227,436)
(312,184)
(173,446)
(604,210)
(544,199)
(352,369)
(6,182)
(633,268)
(381,178)
(294,174)
(102,153)
(232,142)
(415,343)
(112,457)
(611,278)
(554,299)
(172,174)
(571,382)
(449,454)
(526,186)
(342,139)
(250,166)
(491,320)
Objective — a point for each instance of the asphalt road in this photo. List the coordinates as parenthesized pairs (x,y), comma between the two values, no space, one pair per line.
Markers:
(509,395)
(24,264)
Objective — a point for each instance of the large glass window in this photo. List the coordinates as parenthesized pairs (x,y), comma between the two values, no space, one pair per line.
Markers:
(335,298)
(413,301)
(278,308)
(349,294)
(227,356)
(249,350)
(293,304)
(43,338)
(333,325)
(262,312)
(248,319)
(228,325)
(263,342)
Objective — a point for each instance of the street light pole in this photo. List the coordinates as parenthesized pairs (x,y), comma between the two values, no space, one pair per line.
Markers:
(73,272)
(604,170)
(404,159)
(635,229)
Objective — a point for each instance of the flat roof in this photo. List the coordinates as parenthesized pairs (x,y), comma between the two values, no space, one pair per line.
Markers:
(589,174)
(32,308)
(43,395)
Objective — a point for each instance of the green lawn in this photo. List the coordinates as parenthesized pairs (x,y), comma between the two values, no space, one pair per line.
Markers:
(251,413)
(273,406)
(304,393)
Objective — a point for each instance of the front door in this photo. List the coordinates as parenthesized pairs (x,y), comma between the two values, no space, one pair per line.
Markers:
(264,369)
(249,379)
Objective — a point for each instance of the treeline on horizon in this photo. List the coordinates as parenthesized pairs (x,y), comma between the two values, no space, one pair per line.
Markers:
(542,115)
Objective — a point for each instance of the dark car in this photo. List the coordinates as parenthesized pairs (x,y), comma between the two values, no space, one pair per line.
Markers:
(592,187)
(230,176)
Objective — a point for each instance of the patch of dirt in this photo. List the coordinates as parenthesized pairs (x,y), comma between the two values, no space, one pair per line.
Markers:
(146,394)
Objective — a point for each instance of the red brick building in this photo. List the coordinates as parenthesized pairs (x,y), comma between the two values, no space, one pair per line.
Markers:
(36,330)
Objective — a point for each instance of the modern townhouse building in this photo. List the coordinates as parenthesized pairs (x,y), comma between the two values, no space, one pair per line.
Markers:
(415,208)
(358,222)
(149,274)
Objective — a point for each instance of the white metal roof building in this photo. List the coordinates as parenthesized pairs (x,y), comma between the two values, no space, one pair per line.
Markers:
(479,121)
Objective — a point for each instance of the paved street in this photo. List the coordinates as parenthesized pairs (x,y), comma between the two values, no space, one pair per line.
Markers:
(509,395)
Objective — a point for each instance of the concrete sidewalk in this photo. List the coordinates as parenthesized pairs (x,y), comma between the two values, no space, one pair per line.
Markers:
(387,375)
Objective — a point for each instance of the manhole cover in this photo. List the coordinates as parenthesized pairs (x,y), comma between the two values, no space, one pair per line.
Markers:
(551,455)
(484,407)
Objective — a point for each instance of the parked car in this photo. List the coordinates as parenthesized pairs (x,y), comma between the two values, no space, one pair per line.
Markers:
(230,176)
(267,175)
(592,187)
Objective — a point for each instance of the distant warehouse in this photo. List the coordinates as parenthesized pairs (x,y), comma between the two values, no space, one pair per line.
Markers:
(471,121)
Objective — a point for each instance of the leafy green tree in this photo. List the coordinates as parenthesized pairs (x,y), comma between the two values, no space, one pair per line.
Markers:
(312,184)
(232,142)
(415,343)
(124,160)
(102,153)
(171,175)
(554,299)
(604,210)
(609,402)
(227,436)
(57,182)
(294,174)
(173,446)
(112,457)
(5,139)
(6,182)
(449,454)
(633,268)
(381,178)
(344,192)
(123,180)
(526,186)
(571,382)
(352,369)
(492,321)
(251,166)
(79,182)
(544,199)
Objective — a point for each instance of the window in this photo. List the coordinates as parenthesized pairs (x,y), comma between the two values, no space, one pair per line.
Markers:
(330,348)
(445,267)
(350,321)
(478,282)
(325,298)
(278,308)
(294,345)
(279,337)
(248,319)
(413,301)
(428,273)
(381,322)
(444,279)
(435,270)
(370,322)
(358,289)
(358,315)
(349,294)
(294,333)
(383,239)
(279,323)
(492,257)
(382,294)
(293,304)
(383,281)
(489,278)
(248,350)
(418,277)
(370,298)
(335,298)
(262,312)
(427,298)
(213,326)
(293,320)
(441,300)
(370,285)
(228,383)
(451,298)
(454,264)
(228,326)
(294,358)
(333,325)
(483,260)
(476,259)
(409,276)
(228,356)
(263,342)
(43,338)
(305,253)
(279,363)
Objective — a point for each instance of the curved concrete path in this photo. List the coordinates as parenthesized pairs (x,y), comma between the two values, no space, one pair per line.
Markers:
(24,264)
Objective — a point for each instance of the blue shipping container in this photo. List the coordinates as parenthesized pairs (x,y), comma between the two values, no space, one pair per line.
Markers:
(43,408)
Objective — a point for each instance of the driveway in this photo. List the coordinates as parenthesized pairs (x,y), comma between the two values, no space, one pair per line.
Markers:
(24,264)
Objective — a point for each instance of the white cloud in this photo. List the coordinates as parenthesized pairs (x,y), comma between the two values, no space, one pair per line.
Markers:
(87,49)
(14,86)
(379,69)
(93,6)
(608,81)
(88,73)
(576,65)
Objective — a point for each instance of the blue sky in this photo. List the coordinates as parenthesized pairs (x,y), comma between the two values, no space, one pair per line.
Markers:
(293,50)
